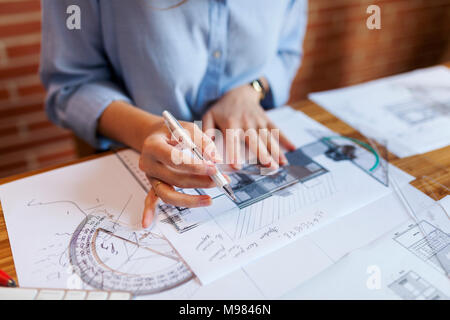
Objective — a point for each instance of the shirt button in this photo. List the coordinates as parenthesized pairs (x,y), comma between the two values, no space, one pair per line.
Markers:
(217,54)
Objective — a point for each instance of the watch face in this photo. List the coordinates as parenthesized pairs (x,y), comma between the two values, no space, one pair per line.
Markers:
(259,88)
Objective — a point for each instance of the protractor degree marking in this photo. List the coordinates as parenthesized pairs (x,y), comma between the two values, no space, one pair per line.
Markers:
(139,246)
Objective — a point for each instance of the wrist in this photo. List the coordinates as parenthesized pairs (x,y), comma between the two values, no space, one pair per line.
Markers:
(127,124)
(252,93)
(145,126)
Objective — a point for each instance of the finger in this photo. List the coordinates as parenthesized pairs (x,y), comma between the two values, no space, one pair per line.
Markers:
(283,140)
(208,125)
(176,159)
(259,148)
(168,194)
(206,144)
(233,138)
(149,208)
(202,141)
(178,178)
(273,147)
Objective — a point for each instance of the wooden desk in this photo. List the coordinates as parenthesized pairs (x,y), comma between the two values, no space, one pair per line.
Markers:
(434,164)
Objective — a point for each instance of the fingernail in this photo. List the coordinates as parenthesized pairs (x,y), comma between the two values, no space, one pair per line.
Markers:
(211,170)
(205,201)
(237,166)
(274,165)
(217,157)
(147,220)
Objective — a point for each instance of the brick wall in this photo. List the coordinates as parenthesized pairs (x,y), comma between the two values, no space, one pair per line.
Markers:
(27,139)
(339,50)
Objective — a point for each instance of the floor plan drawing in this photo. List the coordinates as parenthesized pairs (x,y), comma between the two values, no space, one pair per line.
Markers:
(424,246)
(249,220)
(217,241)
(250,189)
(415,112)
(411,286)
(88,232)
(410,111)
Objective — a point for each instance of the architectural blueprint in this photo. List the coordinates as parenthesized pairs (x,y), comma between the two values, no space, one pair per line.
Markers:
(83,231)
(78,232)
(410,111)
(222,238)
(402,264)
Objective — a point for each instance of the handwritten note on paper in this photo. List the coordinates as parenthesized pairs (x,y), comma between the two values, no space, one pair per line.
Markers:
(82,231)
(214,249)
(228,240)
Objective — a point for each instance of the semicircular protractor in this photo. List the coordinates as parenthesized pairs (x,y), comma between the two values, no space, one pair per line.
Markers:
(108,256)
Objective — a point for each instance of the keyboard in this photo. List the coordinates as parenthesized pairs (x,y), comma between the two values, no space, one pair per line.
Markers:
(60,294)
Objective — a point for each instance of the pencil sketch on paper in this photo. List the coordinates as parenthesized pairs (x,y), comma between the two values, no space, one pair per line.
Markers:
(423,107)
(250,188)
(109,256)
(425,241)
(412,286)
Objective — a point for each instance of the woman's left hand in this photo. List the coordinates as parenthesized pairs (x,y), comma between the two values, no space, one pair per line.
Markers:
(240,109)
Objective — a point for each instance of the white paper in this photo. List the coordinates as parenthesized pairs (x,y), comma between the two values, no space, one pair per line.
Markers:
(43,211)
(400,265)
(323,247)
(231,239)
(409,112)
(314,253)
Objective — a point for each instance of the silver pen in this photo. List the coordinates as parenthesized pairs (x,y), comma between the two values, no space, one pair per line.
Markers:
(183,137)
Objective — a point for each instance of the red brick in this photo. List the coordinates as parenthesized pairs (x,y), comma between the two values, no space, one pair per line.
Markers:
(4,94)
(57,156)
(23,50)
(12,72)
(11,112)
(24,145)
(29,90)
(8,7)
(9,130)
(12,166)
(20,29)
(40,125)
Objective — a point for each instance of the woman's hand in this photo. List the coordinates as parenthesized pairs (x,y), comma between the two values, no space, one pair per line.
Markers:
(167,166)
(240,109)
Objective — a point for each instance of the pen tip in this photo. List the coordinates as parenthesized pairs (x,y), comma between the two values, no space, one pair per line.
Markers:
(229,192)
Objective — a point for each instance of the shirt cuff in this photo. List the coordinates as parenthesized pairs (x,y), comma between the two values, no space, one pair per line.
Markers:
(86,106)
(279,83)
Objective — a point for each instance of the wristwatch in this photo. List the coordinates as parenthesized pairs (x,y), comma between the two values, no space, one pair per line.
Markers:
(259,87)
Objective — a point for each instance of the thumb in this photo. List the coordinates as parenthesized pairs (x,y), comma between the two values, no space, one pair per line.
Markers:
(149,208)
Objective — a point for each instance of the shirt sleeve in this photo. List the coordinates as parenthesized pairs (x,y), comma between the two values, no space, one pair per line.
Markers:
(75,70)
(281,70)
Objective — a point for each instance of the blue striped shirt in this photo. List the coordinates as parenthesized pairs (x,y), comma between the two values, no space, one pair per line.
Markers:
(180,59)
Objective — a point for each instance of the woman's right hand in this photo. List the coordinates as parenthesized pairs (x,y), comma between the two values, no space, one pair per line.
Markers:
(166,167)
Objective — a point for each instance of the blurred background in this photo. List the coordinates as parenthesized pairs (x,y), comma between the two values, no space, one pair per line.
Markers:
(339,50)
